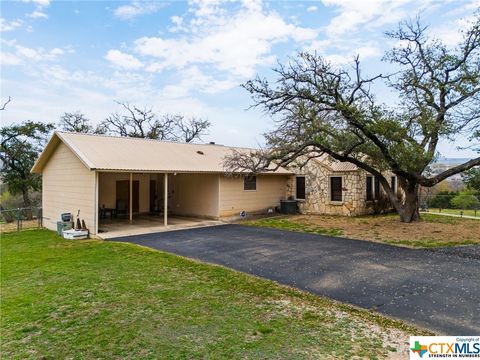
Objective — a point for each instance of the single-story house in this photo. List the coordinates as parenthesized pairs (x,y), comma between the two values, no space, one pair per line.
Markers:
(97,174)
(103,175)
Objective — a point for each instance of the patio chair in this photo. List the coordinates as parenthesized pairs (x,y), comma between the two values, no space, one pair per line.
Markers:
(121,208)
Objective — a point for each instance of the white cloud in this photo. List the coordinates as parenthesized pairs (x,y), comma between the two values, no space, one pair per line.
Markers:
(37,15)
(137,8)
(233,43)
(6,25)
(194,79)
(177,24)
(14,54)
(371,14)
(9,59)
(123,60)
(41,3)
(312,9)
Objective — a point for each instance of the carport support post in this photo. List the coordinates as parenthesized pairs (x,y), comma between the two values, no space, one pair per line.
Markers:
(165,199)
(130,205)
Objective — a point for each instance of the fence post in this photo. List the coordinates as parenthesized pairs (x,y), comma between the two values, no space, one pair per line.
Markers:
(39,218)
(18,219)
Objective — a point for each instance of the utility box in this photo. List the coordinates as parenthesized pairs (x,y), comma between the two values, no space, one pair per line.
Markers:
(288,206)
(62,226)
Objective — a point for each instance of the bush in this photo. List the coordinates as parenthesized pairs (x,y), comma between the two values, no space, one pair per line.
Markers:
(442,199)
(466,201)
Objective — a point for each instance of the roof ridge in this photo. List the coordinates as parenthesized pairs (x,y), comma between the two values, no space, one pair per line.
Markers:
(153,140)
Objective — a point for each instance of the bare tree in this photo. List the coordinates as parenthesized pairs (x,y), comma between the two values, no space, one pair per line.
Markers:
(77,122)
(4,106)
(144,123)
(323,109)
(187,129)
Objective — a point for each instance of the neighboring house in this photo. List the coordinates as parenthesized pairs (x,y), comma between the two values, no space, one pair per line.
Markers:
(134,176)
(97,174)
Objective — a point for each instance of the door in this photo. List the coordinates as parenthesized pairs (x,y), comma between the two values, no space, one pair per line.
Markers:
(123,195)
(153,195)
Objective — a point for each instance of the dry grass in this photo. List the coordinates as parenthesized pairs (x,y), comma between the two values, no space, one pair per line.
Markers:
(431,231)
(26,224)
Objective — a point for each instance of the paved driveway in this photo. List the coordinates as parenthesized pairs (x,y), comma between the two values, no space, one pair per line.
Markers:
(439,290)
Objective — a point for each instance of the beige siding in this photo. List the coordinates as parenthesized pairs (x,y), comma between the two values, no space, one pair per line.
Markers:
(68,186)
(233,199)
(107,189)
(194,194)
(188,194)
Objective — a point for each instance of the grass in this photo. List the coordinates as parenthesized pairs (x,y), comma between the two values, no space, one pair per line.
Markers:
(287,224)
(12,226)
(457,212)
(93,299)
(431,231)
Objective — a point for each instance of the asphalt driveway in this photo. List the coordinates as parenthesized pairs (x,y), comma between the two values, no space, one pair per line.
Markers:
(439,290)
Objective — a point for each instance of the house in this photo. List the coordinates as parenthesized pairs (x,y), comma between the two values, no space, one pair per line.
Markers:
(98,175)
(327,186)
(116,180)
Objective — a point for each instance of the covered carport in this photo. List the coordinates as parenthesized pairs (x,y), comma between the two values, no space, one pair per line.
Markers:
(134,203)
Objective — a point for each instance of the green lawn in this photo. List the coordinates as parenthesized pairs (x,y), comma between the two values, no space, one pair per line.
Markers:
(431,231)
(285,223)
(93,299)
(456,212)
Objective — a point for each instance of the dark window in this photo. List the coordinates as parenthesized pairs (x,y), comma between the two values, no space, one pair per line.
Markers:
(336,189)
(377,188)
(393,184)
(300,188)
(250,183)
(369,188)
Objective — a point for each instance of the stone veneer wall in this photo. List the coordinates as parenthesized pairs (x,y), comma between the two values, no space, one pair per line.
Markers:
(317,191)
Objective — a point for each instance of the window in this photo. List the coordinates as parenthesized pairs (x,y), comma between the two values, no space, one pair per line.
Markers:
(393,184)
(336,188)
(250,183)
(369,188)
(377,188)
(300,188)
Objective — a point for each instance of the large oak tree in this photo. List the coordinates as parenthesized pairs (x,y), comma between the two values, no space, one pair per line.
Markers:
(321,108)
(20,145)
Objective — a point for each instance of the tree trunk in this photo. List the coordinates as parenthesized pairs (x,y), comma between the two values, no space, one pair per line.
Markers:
(408,210)
(27,203)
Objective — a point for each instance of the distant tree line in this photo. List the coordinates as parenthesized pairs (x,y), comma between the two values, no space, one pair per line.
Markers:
(466,199)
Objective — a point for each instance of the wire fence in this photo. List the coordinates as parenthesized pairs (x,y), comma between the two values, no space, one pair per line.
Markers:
(20,218)
(466,205)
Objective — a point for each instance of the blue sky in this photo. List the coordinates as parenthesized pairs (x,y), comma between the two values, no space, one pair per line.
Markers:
(191,57)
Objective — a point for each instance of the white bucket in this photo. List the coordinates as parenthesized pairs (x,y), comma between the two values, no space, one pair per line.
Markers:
(75,234)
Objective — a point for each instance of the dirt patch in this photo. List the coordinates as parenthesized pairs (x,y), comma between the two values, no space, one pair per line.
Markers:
(26,224)
(388,228)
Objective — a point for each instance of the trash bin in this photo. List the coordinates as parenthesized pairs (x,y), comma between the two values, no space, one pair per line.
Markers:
(63,225)
(288,206)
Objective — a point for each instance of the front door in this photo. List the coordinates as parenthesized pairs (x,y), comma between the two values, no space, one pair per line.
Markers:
(153,195)
(123,195)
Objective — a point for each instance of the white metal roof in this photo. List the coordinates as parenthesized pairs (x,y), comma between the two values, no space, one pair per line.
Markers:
(110,153)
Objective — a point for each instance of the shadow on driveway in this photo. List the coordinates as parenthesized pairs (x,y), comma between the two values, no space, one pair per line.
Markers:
(436,289)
